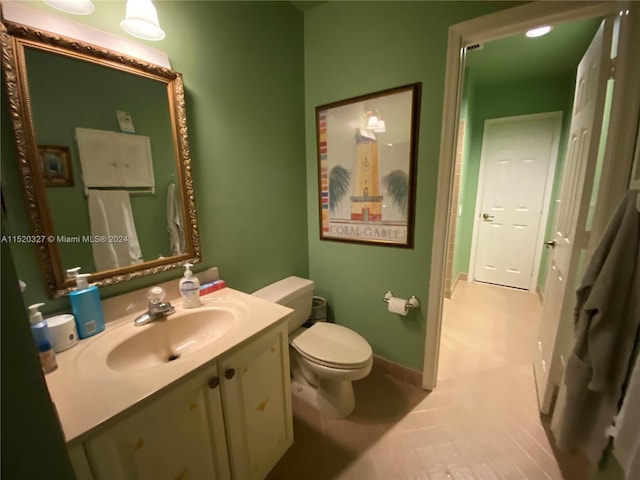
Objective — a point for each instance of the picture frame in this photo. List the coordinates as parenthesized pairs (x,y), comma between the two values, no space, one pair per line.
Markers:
(367,160)
(55,162)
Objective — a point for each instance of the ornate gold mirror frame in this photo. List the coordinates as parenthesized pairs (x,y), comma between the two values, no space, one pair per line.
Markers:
(14,38)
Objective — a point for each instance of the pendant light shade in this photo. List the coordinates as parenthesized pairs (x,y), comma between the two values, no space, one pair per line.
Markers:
(381,127)
(372,122)
(141,20)
(77,7)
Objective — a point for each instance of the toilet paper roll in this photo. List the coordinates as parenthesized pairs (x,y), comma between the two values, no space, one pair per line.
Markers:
(398,305)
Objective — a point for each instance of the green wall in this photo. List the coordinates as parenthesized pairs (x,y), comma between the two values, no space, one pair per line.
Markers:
(242,64)
(341,61)
(504,100)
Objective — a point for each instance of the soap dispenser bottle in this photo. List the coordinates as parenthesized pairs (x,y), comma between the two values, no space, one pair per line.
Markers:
(42,337)
(190,288)
(85,305)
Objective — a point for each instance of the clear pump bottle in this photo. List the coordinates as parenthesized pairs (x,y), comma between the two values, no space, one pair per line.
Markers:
(42,337)
(190,288)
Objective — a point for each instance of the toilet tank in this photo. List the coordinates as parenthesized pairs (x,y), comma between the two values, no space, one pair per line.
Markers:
(292,292)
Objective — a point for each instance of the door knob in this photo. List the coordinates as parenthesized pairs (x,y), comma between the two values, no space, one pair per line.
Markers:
(550,243)
(487,218)
(229,373)
(214,382)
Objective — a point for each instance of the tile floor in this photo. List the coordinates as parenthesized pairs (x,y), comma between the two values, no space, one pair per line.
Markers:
(481,422)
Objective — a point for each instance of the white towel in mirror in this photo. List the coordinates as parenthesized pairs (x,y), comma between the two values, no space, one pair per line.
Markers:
(110,216)
(174,222)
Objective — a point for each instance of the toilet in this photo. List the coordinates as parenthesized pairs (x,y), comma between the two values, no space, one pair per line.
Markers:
(325,358)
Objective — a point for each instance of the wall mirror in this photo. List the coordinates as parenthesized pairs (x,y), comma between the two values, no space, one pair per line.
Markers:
(57,87)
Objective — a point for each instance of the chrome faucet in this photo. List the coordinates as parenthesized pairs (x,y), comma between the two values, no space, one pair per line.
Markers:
(158,310)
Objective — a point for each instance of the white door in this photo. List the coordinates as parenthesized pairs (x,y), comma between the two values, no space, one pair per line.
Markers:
(517,166)
(569,231)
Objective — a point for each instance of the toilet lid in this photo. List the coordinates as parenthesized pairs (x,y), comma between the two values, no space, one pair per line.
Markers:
(333,345)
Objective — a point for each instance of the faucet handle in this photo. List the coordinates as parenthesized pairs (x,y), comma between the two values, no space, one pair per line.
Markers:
(156,295)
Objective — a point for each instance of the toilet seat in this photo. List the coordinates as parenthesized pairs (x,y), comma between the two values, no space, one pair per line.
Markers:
(333,345)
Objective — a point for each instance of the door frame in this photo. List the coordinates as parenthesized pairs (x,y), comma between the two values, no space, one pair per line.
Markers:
(548,187)
(621,136)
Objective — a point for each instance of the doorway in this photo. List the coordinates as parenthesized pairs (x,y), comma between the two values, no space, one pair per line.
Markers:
(498,26)
(517,168)
(498,89)
(516,173)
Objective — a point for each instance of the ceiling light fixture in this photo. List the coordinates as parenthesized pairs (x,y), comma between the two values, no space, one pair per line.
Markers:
(538,31)
(141,20)
(76,7)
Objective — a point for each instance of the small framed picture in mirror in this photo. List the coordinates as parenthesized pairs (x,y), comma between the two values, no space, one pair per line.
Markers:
(56,165)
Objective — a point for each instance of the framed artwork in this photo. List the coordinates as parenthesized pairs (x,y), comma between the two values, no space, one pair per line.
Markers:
(367,149)
(56,165)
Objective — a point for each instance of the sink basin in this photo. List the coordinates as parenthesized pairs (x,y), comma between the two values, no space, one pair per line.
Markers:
(166,341)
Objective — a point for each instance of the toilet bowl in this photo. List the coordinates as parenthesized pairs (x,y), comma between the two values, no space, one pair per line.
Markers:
(325,358)
(329,357)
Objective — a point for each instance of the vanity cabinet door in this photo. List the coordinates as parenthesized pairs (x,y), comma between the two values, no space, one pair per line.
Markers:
(178,436)
(256,400)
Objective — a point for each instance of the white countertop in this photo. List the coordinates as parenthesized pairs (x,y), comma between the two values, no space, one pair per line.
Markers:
(87,392)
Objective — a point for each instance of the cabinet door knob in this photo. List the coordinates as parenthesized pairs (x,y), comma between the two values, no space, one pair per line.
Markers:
(214,382)
(229,373)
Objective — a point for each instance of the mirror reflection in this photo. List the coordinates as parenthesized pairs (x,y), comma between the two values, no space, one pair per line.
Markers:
(70,97)
(103,150)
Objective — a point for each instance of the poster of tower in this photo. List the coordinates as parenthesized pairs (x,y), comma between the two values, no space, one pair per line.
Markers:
(366,167)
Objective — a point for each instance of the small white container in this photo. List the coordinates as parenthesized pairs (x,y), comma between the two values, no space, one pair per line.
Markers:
(64,334)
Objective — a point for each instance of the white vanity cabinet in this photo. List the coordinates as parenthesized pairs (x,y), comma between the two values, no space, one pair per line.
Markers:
(179,435)
(230,421)
(256,399)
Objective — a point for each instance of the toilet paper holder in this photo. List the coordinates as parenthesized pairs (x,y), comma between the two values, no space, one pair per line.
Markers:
(412,302)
